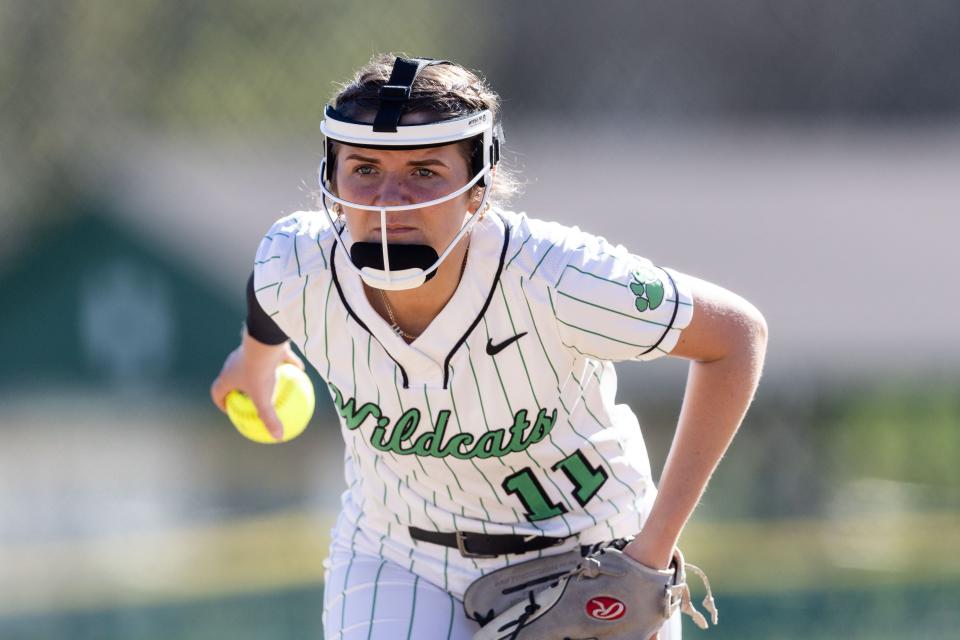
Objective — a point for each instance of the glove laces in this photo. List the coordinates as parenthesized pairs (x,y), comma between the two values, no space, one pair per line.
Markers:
(682,591)
(528,611)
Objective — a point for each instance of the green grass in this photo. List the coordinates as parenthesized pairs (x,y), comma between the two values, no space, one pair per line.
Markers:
(919,612)
(857,577)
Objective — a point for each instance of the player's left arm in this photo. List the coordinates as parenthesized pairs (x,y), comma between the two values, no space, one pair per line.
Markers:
(725,341)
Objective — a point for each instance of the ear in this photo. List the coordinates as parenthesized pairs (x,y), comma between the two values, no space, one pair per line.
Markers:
(476,193)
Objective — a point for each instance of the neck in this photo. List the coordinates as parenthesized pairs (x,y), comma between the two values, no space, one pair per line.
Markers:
(414,309)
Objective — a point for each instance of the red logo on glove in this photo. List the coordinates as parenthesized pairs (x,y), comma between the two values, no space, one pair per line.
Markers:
(605,608)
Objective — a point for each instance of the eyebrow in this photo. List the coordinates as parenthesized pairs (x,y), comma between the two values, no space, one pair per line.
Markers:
(427,162)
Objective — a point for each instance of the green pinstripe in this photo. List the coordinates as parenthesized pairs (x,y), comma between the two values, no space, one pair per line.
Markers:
(296,255)
(452,610)
(542,258)
(593,275)
(369,344)
(618,283)
(522,245)
(533,393)
(573,326)
(564,270)
(353,363)
(384,536)
(326,323)
(456,415)
(373,605)
(322,254)
(379,460)
(546,355)
(426,397)
(400,404)
(346,579)
(506,397)
(633,316)
(446,566)
(581,353)
(376,456)
(266,260)
(413,607)
(559,394)
(409,511)
(486,424)
(456,527)
(303,298)
(586,407)
(556,377)
(537,332)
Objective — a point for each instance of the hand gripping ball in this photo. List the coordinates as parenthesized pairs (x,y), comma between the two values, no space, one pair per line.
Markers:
(293,400)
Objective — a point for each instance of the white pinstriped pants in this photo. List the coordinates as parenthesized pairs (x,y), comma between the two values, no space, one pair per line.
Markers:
(366,597)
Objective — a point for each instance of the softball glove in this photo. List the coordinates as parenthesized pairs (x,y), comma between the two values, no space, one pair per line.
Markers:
(605,595)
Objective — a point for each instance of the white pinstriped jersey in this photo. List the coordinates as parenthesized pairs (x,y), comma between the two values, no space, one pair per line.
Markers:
(500,417)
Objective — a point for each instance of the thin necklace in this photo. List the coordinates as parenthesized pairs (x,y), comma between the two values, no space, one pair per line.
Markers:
(397,329)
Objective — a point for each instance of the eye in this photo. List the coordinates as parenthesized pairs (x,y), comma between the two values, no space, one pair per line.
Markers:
(423,172)
(364,170)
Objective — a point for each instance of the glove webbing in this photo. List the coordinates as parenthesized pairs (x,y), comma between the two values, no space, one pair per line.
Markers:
(550,579)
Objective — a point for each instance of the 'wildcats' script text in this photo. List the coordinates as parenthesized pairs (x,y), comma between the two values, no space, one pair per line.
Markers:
(397,436)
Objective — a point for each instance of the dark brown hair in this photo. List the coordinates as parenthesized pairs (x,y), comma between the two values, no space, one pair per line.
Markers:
(444,90)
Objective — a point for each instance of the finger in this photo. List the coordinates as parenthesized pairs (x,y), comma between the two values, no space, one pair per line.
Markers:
(294,359)
(219,394)
(269,417)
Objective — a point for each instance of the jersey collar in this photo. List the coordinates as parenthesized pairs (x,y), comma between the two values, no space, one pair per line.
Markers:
(425,361)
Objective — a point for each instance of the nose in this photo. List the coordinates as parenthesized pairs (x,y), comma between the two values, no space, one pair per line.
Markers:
(391,193)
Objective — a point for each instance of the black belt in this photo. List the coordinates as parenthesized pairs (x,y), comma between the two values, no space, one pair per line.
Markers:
(482,545)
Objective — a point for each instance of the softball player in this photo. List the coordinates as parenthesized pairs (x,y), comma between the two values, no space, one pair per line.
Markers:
(468,351)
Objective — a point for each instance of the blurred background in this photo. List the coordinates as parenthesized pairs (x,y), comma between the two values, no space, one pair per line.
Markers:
(803,154)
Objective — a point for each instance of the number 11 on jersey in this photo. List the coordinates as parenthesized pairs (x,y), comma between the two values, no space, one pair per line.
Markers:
(586,480)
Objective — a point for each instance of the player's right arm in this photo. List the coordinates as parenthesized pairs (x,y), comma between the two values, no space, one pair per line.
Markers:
(288,256)
(251,366)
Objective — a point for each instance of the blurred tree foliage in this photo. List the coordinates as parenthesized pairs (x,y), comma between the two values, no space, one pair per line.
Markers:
(734,58)
(908,433)
(884,444)
(213,64)
(75,76)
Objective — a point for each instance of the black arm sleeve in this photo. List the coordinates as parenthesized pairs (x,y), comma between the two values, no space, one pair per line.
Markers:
(260,326)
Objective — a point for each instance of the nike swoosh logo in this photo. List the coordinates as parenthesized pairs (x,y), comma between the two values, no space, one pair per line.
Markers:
(494,349)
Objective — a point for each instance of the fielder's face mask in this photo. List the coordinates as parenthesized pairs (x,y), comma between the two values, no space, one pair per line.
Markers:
(405,266)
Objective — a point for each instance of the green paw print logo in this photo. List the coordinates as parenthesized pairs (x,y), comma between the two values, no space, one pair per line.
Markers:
(648,288)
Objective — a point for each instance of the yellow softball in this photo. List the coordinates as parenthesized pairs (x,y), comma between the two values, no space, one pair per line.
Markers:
(293,400)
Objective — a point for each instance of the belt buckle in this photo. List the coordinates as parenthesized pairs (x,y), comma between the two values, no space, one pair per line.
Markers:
(461,546)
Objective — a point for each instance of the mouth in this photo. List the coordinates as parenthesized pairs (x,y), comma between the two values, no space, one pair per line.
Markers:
(394,230)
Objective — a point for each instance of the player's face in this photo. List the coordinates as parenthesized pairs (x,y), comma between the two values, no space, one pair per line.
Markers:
(389,177)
